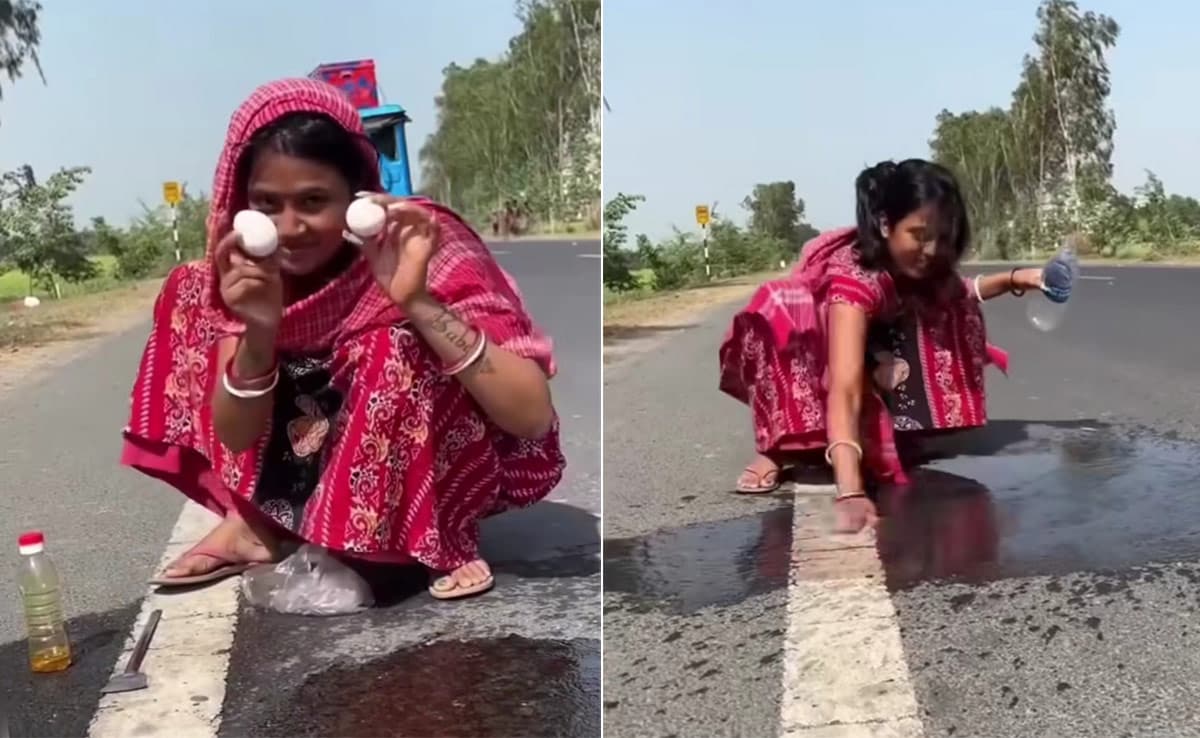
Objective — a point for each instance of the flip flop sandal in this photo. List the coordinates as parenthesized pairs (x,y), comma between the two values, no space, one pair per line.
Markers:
(452,591)
(759,488)
(226,568)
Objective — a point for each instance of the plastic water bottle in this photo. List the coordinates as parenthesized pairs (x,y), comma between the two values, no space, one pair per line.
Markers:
(1058,281)
(49,646)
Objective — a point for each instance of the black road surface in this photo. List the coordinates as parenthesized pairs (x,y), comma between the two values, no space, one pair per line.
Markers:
(403,669)
(1045,578)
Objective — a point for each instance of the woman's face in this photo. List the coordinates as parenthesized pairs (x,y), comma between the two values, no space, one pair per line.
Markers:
(308,201)
(913,244)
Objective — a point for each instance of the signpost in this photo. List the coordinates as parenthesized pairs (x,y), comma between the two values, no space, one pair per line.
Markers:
(702,217)
(173,194)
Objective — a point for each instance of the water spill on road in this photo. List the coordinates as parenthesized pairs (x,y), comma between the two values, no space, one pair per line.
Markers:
(1057,501)
(689,568)
(511,686)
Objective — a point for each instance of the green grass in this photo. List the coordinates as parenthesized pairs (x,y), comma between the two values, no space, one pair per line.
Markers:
(644,289)
(14,285)
(578,228)
(82,315)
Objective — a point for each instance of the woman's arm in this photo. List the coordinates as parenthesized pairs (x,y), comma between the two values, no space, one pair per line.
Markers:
(240,422)
(847,379)
(1016,281)
(512,390)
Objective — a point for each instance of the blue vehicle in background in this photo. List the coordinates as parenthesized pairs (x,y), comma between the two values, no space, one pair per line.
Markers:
(384,123)
(385,126)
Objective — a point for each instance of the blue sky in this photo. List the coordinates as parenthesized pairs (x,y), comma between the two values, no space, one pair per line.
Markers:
(709,98)
(150,100)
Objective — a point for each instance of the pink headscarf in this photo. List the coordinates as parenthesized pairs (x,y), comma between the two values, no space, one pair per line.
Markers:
(462,274)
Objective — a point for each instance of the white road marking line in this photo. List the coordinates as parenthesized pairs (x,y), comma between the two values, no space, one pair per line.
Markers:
(188,659)
(902,728)
(590,256)
(499,252)
(844,667)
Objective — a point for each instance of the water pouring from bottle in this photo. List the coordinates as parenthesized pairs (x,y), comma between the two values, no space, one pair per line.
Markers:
(1058,282)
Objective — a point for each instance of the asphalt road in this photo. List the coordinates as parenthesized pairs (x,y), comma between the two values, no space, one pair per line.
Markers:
(1041,579)
(396,670)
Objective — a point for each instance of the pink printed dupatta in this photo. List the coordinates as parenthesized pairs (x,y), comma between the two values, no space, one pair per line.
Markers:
(409,464)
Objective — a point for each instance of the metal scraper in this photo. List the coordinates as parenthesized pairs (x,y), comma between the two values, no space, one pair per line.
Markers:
(132,678)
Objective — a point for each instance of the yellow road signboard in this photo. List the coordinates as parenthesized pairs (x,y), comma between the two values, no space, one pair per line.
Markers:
(172,193)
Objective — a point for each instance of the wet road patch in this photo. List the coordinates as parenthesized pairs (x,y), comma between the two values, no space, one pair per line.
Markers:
(1059,501)
(1048,586)
(692,567)
(295,675)
(506,686)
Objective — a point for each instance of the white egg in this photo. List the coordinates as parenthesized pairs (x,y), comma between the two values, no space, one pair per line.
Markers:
(259,236)
(365,218)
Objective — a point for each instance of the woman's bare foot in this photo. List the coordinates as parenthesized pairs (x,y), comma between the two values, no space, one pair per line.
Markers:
(471,578)
(852,513)
(231,542)
(760,477)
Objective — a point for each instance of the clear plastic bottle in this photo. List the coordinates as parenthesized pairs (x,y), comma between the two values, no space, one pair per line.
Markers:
(41,591)
(1046,311)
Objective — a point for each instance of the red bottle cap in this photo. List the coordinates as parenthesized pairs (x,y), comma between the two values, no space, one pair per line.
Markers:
(32,538)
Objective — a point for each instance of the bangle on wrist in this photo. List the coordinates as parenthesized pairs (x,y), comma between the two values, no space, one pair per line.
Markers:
(249,384)
(1012,283)
(248,393)
(471,358)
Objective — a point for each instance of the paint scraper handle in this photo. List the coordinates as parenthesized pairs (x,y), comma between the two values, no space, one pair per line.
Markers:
(143,643)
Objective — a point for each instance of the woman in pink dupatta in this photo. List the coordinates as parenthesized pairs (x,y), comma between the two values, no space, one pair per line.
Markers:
(873,333)
(377,401)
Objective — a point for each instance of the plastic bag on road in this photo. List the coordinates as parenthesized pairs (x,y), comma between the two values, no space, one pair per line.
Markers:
(309,582)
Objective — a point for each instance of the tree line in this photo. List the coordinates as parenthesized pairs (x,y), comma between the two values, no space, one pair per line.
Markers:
(1032,171)
(523,131)
(775,231)
(1041,167)
(39,236)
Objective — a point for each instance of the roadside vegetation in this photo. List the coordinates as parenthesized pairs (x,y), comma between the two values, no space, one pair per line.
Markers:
(494,147)
(1035,168)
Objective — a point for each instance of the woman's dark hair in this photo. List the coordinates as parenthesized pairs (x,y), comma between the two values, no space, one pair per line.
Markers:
(888,192)
(315,137)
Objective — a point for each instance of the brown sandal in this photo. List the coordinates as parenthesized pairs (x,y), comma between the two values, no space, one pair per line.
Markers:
(445,588)
(225,567)
(760,488)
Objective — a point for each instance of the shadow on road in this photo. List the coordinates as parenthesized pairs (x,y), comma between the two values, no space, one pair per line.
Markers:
(548,540)
(62,704)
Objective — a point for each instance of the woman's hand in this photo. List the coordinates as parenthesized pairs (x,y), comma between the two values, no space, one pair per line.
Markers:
(251,288)
(1014,282)
(1027,279)
(399,256)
